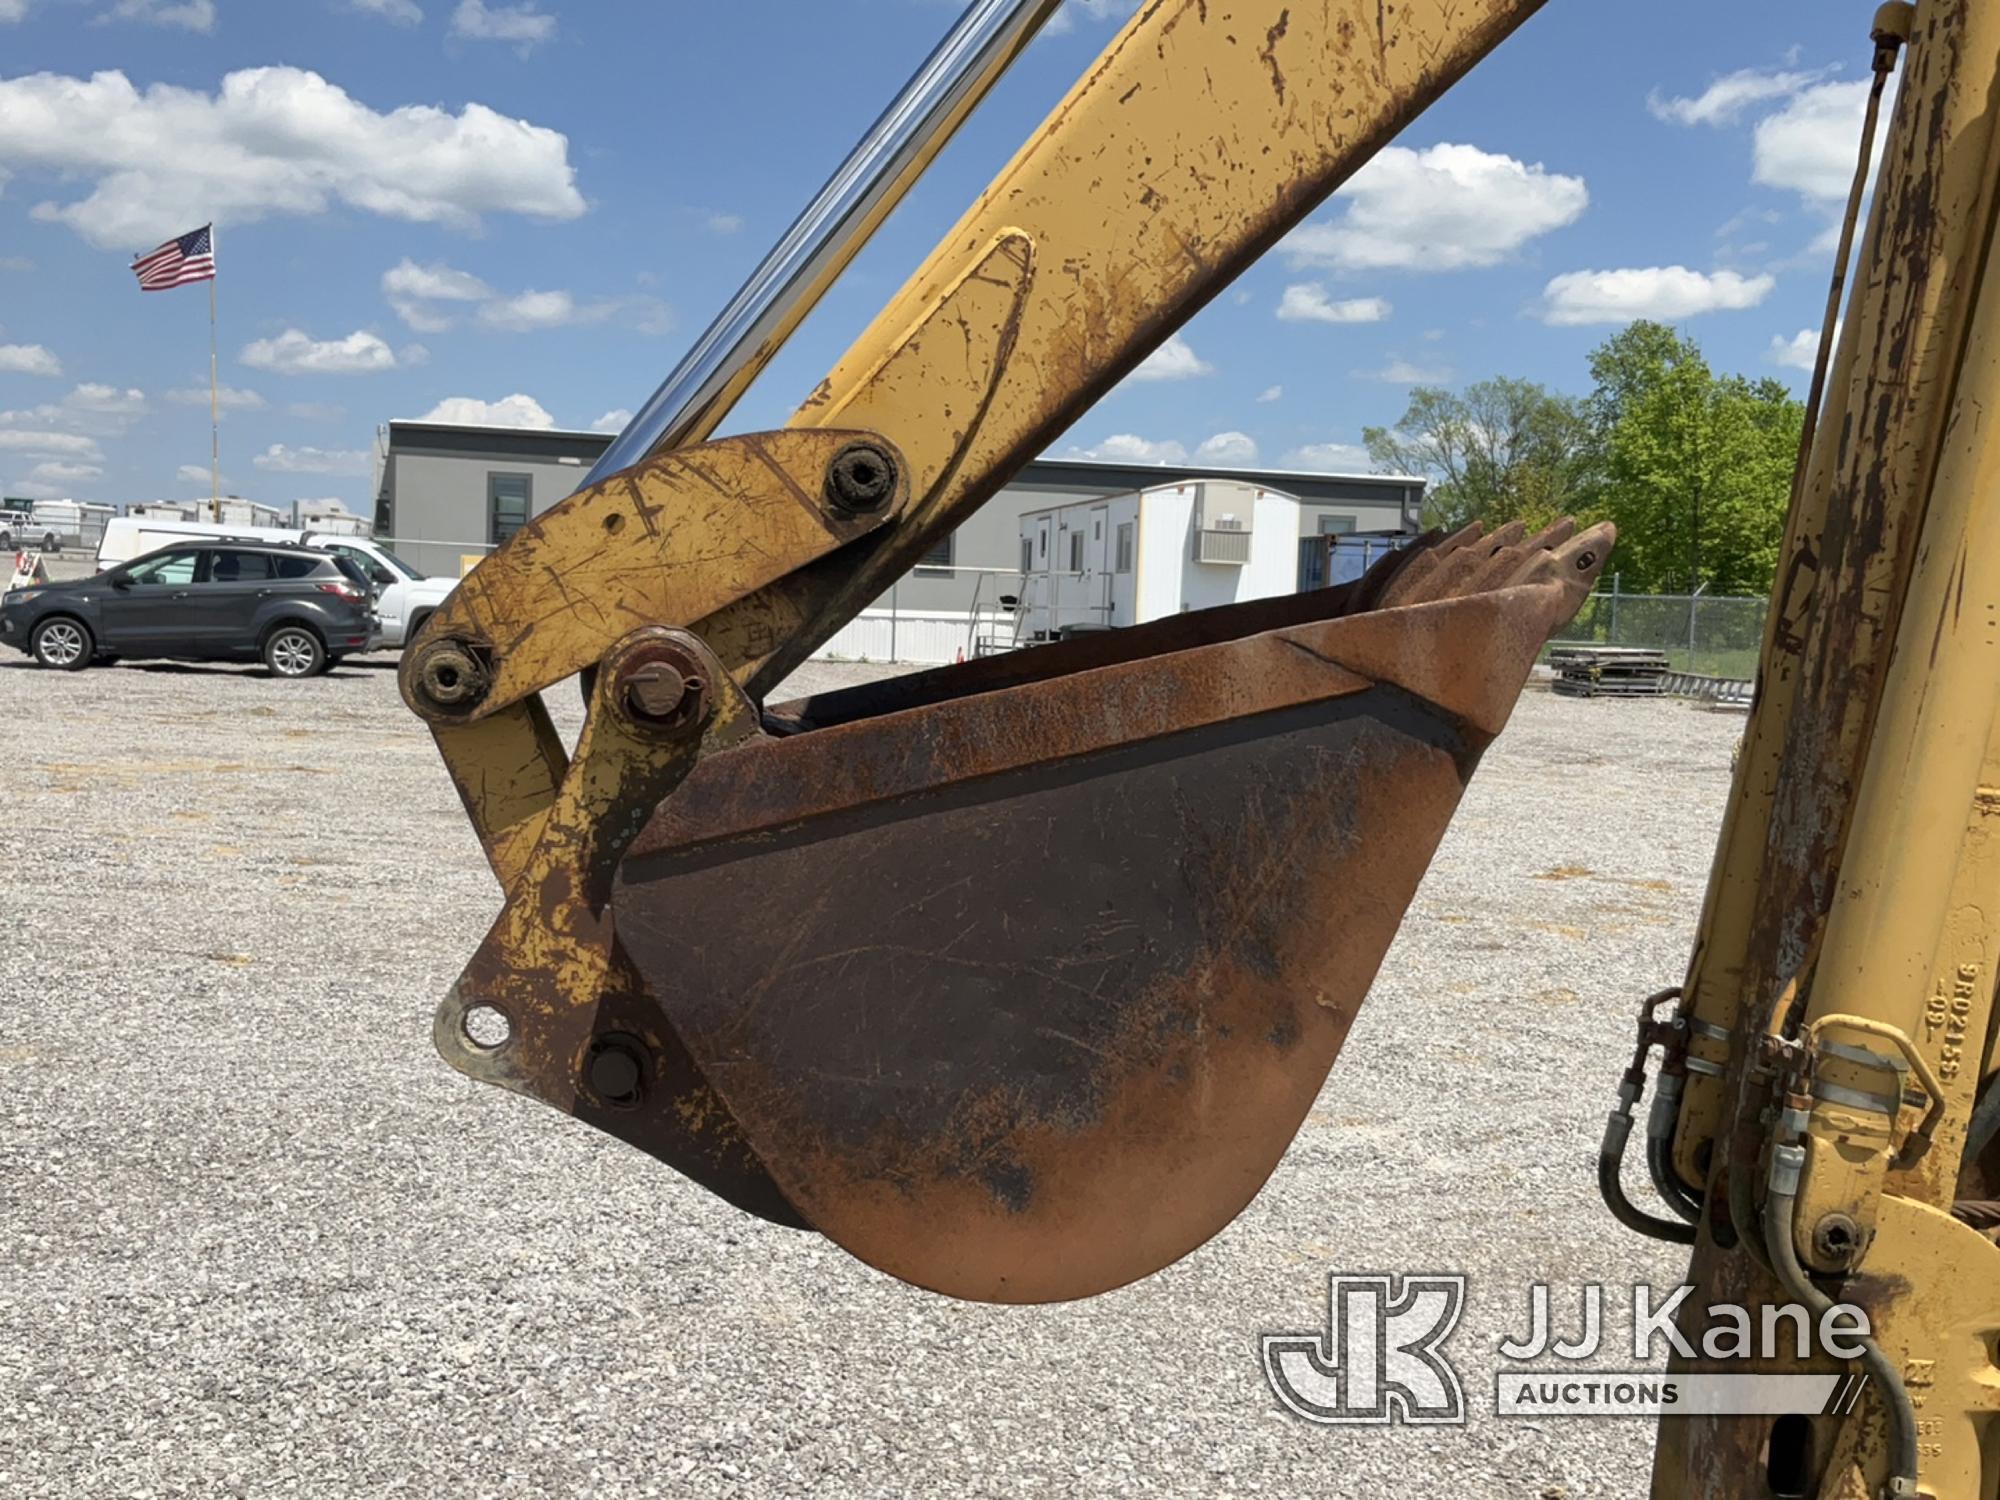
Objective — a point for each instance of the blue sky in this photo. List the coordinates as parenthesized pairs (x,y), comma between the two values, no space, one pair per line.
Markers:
(524,209)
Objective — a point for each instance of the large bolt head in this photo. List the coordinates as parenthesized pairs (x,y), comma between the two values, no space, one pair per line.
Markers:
(448,676)
(861,478)
(663,688)
(615,1073)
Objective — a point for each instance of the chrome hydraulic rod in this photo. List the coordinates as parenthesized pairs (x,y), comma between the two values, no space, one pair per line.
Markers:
(835,225)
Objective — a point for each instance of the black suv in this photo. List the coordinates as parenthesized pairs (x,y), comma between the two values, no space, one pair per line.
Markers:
(297,608)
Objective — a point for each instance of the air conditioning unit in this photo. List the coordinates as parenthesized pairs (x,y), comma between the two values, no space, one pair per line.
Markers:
(1222,543)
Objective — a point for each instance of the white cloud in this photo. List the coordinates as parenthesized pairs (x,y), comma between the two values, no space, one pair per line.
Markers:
(422,297)
(1400,371)
(280,458)
(28,359)
(58,473)
(1308,302)
(15,262)
(106,400)
(295,353)
(1236,448)
(101,410)
(194,474)
(1440,209)
(189,15)
(414,292)
(1811,144)
(1664,292)
(317,411)
(1724,100)
(1129,448)
(510,411)
(1799,352)
(723,223)
(436,282)
(50,445)
(229,398)
(270,141)
(401,12)
(1271,393)
(1173,360)
(1331,458)
(12,11)
(520,24)
(529,312)
(612,421)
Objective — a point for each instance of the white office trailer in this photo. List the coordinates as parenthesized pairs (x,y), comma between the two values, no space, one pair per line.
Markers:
(235,511)
(1163,550)
(329,518)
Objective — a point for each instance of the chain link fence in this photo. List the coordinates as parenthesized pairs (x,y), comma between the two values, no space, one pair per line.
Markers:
(1714,636)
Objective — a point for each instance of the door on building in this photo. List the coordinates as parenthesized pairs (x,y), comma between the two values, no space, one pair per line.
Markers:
(1097,565)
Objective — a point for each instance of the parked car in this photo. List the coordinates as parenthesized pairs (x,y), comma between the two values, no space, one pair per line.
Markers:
(405,597)
(15,519)
(297,609)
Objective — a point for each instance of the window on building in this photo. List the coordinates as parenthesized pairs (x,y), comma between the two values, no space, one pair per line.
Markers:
(1027,556)
(1124,546)
(1076,552)
(939,558)
(508,500)
(1335,525)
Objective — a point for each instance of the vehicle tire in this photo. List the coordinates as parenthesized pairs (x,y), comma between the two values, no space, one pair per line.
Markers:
(294,651)
(6,541)
(62,643)
(51,544)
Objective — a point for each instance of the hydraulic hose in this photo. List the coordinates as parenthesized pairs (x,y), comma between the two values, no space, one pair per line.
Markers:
(1787,1162)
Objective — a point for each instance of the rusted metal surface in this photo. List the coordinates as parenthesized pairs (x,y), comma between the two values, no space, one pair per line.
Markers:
(551,969)
(1066,957)
(661,544)
(1850,548)
(666,542)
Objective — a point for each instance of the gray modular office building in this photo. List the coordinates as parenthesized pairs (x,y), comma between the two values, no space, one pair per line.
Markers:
(447,494)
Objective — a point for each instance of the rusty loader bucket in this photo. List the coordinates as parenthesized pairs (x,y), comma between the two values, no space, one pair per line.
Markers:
(1016,978)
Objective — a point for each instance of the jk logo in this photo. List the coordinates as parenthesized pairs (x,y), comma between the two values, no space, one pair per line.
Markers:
(1378,1360)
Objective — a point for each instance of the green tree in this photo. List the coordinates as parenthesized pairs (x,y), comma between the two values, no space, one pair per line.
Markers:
(1501,450)
(1694,468)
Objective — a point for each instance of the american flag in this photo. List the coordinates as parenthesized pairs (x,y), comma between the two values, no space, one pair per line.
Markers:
(178,262)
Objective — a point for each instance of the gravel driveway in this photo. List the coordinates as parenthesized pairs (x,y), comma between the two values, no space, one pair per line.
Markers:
(256,1239)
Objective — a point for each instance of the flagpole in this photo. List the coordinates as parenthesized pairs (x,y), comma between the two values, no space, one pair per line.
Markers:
(214,390)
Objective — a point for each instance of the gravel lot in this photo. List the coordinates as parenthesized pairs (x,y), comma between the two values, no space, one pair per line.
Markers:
(256,1239)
